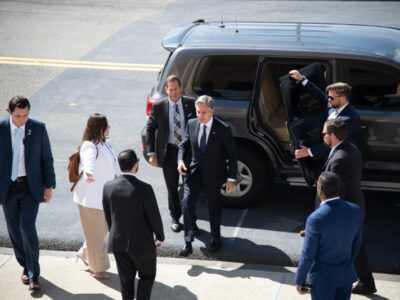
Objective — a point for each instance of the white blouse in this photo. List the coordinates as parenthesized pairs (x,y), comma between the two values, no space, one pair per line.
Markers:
(103,169)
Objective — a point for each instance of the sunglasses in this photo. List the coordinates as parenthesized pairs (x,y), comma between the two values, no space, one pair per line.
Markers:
(325,133)
(331,98)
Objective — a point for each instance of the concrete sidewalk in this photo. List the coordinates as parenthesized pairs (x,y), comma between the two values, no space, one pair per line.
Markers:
(182,279)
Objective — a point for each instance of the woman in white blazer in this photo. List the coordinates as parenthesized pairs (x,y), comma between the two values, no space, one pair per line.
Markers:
(99,165)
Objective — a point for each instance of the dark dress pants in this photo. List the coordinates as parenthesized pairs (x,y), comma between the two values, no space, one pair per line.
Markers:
(192,188)
(363,267)
(20,211)
(323,293)
(171,177)
(130,263)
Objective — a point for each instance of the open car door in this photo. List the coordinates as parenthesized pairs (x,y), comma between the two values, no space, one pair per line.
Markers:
(305,116)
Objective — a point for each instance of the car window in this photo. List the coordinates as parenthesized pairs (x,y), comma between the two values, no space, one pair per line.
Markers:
(374,85)
(226,76)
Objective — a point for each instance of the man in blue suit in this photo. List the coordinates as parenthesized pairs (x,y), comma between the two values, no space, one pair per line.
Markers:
(333,237)
(26,179)
(210,143)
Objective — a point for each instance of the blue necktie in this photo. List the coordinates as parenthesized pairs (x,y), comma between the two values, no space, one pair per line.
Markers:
(203,140)
(15,161)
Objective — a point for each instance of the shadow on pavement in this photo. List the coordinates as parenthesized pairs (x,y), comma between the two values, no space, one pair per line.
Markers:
(55,292)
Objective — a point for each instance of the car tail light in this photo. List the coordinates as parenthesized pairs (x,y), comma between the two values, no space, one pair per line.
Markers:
(150,102)
(144,146)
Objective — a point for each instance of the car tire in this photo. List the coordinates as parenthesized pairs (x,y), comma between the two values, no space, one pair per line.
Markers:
(254,177)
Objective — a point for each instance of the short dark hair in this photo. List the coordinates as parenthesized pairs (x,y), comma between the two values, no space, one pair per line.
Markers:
(338,127)
(172,78)
(127,159)
(18,102)
(342,89)
(329,183)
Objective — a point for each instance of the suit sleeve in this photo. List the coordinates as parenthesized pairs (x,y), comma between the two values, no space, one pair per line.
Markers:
(153,214)
(184,145)
(106,207)
(317,93)
(230,152)
(49,176)
(152,126)
(342,167)
(309,252)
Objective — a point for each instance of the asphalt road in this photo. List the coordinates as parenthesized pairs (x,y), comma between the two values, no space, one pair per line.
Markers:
(131,32)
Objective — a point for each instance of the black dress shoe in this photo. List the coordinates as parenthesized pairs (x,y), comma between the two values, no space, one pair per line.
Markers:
(176,226)
(215,245)
(34,284)
(361,289)
(25,277)
(186,250)
(196,230)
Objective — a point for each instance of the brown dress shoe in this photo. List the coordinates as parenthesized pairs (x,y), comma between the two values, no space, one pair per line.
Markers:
(34,284)
(25,277)
(303,232)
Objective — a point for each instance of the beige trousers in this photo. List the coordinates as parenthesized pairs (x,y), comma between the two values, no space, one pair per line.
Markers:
(95,231)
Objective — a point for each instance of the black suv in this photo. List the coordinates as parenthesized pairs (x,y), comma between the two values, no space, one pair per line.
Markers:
(245,66)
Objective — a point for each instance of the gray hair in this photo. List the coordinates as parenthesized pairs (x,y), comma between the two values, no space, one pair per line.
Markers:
(209,101)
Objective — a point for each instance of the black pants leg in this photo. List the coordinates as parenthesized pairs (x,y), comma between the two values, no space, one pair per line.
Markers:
(146,266)
(171,177)
(127,271)
(192,188)
(214,210)
(363,267)
(20,211)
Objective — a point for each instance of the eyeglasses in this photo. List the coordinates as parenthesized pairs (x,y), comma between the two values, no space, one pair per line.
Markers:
(331,98)
(325,133)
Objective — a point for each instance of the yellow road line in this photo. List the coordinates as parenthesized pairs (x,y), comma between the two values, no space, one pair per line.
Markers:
(79,64)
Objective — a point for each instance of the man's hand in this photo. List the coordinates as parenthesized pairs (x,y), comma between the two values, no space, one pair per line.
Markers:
(229,186)
(302,152)
(153,160)
(90,177)
(182,168)
(158,243)
(296,75)
(47,195)
(299,290)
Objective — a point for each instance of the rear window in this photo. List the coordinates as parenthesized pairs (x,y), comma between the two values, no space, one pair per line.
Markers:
(230,77)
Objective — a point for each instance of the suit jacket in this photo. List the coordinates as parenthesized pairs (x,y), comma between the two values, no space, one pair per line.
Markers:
(220,148)
(158,126)
(132,215)
(331,244)
(103,168)
(38,159)
(348,114)
(345,161)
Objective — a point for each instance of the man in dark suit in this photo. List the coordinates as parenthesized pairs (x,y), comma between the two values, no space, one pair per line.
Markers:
(133,219)
(337,101)
(165,129)
(210,143)
(26,179)
(345,160)
(331,244)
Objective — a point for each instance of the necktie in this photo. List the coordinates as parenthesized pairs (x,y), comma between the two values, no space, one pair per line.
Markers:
(15,160)
(177,126)
(203,140)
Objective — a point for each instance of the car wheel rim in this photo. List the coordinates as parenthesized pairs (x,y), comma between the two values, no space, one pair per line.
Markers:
(243,184)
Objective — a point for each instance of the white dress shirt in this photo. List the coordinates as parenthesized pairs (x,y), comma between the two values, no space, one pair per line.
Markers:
(21,164)
(330,199)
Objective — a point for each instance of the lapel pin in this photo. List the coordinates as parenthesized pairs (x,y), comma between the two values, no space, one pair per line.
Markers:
(29,131)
